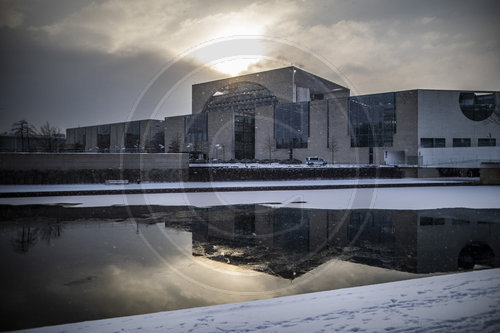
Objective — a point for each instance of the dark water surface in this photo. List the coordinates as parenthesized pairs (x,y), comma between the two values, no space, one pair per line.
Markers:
(68,264)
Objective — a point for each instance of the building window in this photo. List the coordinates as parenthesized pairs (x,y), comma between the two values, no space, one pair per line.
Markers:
(432,142)
(291,125)
(372,120)
(428,220)
(487,142)
(80,139)
(244,136)
(195,128)
(477,106)
(103,138)
(461,142)
(132,136)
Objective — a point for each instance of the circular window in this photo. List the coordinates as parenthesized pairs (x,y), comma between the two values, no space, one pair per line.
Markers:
(477,106)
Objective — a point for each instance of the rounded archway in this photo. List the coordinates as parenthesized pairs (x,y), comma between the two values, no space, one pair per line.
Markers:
(475,253)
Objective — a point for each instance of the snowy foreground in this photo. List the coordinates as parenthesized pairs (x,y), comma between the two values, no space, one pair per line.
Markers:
(465,302)
(413,198)
(231,184)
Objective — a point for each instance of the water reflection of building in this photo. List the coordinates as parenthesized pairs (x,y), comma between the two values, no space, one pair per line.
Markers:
(413,241)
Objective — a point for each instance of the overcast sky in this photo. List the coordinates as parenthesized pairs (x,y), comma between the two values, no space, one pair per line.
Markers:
(77,63)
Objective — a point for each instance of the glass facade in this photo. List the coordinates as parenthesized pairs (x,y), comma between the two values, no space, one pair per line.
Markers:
(477,106)
(80,138)
(291,125)
(132,136)
(372,120)
(195,128)
(374,227)
(103,138)
(244,136)
(240,97)
(291,230)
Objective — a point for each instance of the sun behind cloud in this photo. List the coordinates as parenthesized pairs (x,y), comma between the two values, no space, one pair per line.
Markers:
(235,65)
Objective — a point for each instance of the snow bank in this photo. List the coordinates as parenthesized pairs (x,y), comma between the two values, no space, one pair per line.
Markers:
(413,198)
(226,184)
(453,303)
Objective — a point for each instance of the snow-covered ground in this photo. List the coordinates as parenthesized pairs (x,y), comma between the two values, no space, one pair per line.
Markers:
(288,166)
(414,198)
(228,184)
(465,302)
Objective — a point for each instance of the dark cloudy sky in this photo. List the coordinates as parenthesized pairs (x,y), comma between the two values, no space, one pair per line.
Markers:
(80,62)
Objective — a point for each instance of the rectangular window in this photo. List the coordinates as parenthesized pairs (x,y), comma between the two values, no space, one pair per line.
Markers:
(427,220)
(487,142)
(372,120)
(432,142)
(195,128)
(461,142)
(291,125)
(439,143)
(103,138)
(132,136)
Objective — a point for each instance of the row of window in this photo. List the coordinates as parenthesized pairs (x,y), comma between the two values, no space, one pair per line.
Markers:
(457,142)
(372,120)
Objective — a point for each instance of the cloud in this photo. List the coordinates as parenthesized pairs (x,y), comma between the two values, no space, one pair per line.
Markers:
(10,17)
(131,26)
(77,59)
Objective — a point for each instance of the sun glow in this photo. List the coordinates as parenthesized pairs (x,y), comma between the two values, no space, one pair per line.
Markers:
(235,65)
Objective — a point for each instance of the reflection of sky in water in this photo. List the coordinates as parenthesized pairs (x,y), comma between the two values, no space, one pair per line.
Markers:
(98,270)
(90,268)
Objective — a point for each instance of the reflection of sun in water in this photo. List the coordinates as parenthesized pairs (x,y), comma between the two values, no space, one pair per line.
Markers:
(235,65)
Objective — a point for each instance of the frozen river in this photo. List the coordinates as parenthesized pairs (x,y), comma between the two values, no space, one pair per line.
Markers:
(76,263)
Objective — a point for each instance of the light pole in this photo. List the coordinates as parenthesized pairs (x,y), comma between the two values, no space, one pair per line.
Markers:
(219,147)
(294,89)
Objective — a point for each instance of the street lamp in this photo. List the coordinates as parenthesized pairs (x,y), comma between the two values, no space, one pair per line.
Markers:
(219,147)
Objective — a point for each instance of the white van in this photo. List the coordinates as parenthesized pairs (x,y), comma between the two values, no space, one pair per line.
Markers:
(315,160)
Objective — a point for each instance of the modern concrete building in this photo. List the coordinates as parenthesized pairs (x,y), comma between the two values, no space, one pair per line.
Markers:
(302,239)
(289,112)
(127,137)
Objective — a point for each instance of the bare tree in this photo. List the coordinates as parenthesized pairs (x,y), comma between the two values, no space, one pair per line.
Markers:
(333,146)
(25,240)
(24,130)
(269,145)
(51,135)
(175,144)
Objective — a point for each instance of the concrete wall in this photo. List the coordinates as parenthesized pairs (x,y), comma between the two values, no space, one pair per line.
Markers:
(406,136)
(339,132)
(490,173)
(265,144)
(116,137)
(464,157)
(85,161)
(148,128)
(440,116)
(174,129)
(221,132)
(472,227)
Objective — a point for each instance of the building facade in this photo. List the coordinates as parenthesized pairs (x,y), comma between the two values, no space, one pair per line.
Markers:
(126,137)
(289,112)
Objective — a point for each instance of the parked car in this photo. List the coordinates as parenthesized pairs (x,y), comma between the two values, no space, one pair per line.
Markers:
(315,160)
